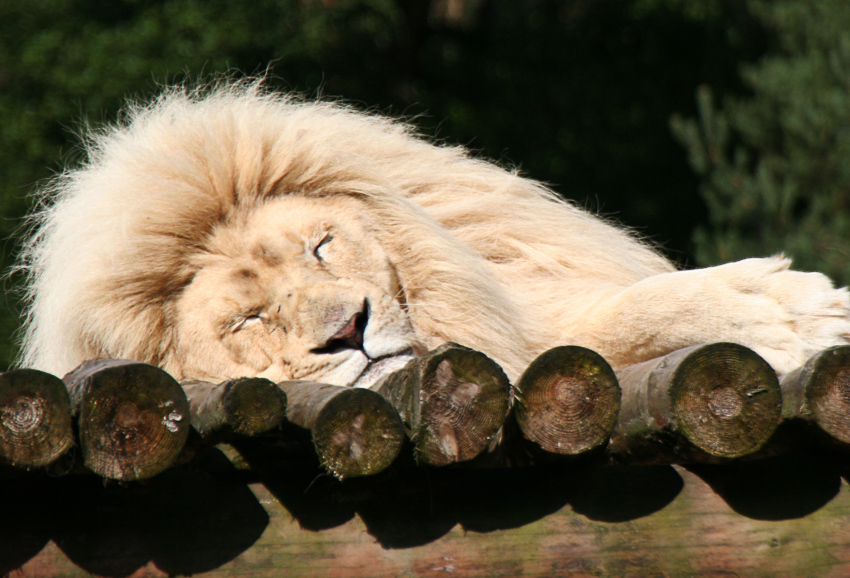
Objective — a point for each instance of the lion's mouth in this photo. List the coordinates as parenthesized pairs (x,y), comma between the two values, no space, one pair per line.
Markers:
(376,369)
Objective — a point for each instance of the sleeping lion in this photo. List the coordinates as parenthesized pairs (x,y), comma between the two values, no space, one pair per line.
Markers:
(232,232)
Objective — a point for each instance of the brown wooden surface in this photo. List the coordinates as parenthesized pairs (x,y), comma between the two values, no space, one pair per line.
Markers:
(242,407)
(35,418)
(706,403)
(132,418)
(355,431)
(567,400)
(784,516)
(453,402)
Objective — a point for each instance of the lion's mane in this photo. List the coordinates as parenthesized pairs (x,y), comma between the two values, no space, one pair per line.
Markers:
(486,257)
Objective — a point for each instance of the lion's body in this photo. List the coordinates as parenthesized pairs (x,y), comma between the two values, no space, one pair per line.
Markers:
(466,251)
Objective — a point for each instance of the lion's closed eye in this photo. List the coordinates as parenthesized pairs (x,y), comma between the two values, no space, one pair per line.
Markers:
(246,322)
(321,249)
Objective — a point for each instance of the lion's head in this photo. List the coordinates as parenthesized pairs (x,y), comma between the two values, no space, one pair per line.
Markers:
(300,289)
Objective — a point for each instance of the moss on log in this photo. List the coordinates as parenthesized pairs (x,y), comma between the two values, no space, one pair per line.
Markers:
(132,418)
(700,404)
(819,392)
(244,407)
(453,402)
(356,432)
(568,400)
(35,418)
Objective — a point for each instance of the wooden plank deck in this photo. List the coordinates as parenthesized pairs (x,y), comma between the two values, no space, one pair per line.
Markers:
(782,516)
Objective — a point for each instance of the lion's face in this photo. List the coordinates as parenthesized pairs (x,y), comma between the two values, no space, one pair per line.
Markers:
(299,289)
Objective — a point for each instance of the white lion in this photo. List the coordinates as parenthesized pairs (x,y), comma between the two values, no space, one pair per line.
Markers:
(232,232)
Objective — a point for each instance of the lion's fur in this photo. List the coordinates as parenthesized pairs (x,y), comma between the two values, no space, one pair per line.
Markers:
(486,257)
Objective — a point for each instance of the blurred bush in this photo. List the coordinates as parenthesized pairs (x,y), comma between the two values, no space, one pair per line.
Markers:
(775,163)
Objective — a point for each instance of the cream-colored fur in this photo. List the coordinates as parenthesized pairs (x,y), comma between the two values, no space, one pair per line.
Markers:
(194,238)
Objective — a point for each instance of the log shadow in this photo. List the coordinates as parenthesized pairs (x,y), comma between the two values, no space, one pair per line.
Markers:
(289,468)
(186,521)
(420,505)
(782,487)
(24,509)
(396,505)
(408,506)
(618,493)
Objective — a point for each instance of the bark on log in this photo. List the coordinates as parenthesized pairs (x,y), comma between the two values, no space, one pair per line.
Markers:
(244,407)
(132,417)
(568,400)
(819,392)
(356,432)
(453,402)
(705,403)
(35,418)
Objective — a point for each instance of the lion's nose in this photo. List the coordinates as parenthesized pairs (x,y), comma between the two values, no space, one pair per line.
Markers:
(350,335)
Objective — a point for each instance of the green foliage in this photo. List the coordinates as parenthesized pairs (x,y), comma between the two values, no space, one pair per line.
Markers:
(776,163)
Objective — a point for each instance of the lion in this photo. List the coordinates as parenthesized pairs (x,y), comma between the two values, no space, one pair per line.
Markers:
(232,231)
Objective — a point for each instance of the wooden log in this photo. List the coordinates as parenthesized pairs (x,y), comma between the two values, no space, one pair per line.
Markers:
(132,417)
(355,431)
(453,402)
(819,392)
(35,418)
(244,407)
(705,403)
(568,400)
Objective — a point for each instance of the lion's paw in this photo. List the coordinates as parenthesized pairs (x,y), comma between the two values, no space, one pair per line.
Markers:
(790,315)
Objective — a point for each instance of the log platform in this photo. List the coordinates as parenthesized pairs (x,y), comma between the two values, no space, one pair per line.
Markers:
(270,505)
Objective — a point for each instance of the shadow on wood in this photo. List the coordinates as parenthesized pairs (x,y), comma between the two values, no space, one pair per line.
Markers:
(622,493)
(25,515)
(552,520)
(185,521)
(777,488)
(408,506)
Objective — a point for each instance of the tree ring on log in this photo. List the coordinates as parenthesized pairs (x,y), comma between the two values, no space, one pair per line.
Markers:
(357,433)
(725,402)
(726,399)
(568,400)
(23,414)
(35,418)
(828,392)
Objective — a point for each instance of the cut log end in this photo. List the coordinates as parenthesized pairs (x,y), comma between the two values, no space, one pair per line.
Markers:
(726,400)
(465,398)
(568,400)
(828,392)
(133,419)
(357,433)
(254,405)
(35,418)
